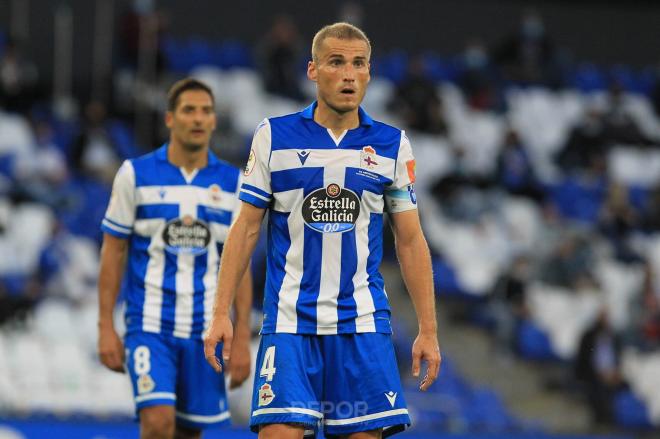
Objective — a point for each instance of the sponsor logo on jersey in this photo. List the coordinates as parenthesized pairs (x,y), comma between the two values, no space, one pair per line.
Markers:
(332,209)
(368,158)
(249,167)
(145,384)
(303,155)
(266,395)
(186,235)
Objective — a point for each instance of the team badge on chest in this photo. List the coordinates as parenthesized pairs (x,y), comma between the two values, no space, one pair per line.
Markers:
(368,158)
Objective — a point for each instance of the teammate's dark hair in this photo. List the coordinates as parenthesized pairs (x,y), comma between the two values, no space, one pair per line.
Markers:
(184,85)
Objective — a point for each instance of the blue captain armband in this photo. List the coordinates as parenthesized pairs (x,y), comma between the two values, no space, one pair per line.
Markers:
(400,200)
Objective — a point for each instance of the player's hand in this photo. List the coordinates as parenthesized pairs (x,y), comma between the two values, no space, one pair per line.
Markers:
(426,348)
(239,367)
(111,349)
(220,331)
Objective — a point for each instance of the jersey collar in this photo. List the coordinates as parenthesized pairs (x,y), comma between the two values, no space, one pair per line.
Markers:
(161,154)
(365,119)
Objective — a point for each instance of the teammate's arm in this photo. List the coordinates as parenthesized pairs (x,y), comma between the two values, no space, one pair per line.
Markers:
(113,256)
(236,254)
(239,368)
(415,259)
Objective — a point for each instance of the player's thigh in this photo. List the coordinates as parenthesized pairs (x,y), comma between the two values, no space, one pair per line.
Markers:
(373,434)
(201,395)
(157,421)
(182,432)
(281,431)
(151,363)
(288,382)
(363,390)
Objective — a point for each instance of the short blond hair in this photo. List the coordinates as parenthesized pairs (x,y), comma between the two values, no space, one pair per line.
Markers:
(341,31)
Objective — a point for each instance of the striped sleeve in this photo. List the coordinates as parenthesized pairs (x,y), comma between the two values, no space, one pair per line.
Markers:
(256,188)
(400,196)
(120,215)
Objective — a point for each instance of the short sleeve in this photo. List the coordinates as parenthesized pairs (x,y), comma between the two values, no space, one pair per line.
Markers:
(256,188)
(237,203)
(120,215)
(400,196)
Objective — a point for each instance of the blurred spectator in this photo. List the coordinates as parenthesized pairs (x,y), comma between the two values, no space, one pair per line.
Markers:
(617,219)
(15,305)
(644,317)
(131,25)
(279,55)
(620,126)
(18,80)
(655,93)
(351,12)
(650,221)
(529,55)
(42,180)
(597,366)
(508,304)
(514,168)
(586,147)
(417,101)
(93,153)
(477,80)
(569,265)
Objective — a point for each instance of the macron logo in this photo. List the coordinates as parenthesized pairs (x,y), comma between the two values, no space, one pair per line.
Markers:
(302,155)
(391,397)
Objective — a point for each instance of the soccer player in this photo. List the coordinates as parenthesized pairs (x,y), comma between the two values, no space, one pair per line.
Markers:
(168,217)
(326,175)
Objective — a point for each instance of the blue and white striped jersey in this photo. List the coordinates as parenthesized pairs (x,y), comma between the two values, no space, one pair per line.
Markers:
(176,224)
(326,197)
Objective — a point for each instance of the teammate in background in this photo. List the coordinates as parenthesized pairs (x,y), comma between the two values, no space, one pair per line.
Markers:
(326,175)
(167,221)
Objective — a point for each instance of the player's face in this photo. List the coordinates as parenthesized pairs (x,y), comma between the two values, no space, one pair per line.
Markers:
(341,73)
(192,121)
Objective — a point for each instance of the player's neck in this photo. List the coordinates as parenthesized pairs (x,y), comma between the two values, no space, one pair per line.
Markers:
(185,158)
(335,121)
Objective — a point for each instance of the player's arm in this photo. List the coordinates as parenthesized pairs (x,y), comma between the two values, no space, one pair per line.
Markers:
(415,260)
(239,368)
(117,228)
(113,257)
(236,254)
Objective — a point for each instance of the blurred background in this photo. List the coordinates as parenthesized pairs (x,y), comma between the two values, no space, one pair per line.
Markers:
(536,128)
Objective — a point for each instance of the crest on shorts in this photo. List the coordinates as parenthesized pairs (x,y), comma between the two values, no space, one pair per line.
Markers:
(266,395)
(145,384)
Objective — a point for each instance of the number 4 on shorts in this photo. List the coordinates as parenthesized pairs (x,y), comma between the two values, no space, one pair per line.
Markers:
(268,366)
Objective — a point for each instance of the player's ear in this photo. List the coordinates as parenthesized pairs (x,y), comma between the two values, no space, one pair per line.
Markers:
(311,71)
(169,119)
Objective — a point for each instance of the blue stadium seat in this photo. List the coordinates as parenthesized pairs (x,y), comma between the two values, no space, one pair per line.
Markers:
(588,78)
(533,343)
(578,200)
(123,139)
(392,66)
(232,54)
(630,412)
